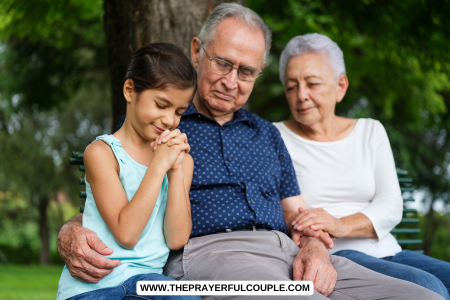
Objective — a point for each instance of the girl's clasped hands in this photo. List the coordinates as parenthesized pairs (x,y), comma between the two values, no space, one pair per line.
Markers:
(169,148)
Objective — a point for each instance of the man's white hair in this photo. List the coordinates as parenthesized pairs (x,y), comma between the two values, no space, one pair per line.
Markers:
(313,43)
(244,14)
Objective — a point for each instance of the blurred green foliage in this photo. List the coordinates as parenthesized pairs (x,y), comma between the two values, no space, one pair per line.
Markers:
(54,98)
(35,148)
(50,48)
(440,242)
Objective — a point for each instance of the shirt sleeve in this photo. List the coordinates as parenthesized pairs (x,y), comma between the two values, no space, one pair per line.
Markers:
(288,181)
(121,121)
(385,210)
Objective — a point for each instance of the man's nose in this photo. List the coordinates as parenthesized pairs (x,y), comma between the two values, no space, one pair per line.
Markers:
(231,79)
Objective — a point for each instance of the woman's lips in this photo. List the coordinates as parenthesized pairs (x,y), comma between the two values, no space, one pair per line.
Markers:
(160,130)
(302,110)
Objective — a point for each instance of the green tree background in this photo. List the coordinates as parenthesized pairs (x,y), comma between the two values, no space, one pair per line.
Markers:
(55,98)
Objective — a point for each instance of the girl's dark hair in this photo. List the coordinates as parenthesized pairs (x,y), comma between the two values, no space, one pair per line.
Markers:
(159,65)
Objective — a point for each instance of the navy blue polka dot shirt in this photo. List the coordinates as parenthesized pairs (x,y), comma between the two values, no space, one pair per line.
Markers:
(241,171)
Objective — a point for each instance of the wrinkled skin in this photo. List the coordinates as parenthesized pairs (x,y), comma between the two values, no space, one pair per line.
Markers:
(76,246)
(313,264)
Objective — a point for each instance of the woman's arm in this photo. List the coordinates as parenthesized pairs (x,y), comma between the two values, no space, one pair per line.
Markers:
(386,209)
(177,220)
(125,219)
(355,225)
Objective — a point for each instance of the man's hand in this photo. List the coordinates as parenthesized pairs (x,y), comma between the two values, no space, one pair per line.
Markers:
(313,264)
(76,246)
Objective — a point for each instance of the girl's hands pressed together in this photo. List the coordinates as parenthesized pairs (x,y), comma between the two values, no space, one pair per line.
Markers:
(171,143)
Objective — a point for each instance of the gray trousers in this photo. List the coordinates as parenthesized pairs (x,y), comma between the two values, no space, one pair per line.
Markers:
(268,255)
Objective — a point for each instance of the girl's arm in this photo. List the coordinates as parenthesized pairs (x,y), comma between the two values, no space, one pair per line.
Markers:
(177,221)
(125,219)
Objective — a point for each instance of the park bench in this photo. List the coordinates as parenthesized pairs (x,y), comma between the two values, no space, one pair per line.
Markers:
(406,232)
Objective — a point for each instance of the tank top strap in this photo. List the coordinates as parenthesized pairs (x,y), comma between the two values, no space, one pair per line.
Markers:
(115,145)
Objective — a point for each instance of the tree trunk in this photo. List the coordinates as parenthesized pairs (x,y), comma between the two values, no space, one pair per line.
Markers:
(44,255)
(130,24)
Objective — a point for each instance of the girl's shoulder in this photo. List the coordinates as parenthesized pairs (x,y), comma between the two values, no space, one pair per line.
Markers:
(99,153)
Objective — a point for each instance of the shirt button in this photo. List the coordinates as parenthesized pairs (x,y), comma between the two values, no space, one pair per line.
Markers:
(229,158)
(223,128)
(251,200)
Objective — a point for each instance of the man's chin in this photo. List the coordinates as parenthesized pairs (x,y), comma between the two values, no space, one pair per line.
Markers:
(221,107)
(221,110)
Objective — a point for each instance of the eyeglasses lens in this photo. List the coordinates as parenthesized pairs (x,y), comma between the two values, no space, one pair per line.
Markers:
(224,67)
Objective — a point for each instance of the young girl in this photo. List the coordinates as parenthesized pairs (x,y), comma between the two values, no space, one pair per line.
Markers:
(137,193)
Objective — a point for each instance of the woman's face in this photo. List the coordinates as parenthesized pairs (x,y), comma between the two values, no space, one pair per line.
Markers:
(310,88)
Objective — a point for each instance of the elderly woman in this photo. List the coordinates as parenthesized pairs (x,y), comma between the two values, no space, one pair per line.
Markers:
(345,168)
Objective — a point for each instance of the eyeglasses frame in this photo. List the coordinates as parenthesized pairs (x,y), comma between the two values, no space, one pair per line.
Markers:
(232,67)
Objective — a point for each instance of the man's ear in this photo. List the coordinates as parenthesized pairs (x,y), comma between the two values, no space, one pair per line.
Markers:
(128,90)
(195,51)
(342,88)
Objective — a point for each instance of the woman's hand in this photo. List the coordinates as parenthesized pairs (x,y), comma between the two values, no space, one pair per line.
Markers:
(318,219)
(322,235)
(177,140)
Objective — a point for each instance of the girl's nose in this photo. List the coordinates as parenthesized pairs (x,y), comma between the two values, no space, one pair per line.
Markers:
(168,120)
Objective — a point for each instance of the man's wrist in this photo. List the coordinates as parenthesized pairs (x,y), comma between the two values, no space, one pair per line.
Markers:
(74,222)
(289,216)
(312,241)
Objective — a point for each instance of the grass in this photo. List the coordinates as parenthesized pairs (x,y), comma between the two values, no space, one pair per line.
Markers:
(29,282)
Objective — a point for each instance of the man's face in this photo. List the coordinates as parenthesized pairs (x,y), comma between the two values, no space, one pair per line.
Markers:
(222,95)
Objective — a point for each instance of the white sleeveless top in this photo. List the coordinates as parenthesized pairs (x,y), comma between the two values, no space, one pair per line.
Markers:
(355,174)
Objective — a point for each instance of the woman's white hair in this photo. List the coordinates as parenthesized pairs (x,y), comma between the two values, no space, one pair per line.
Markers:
(244,14)
(313,43)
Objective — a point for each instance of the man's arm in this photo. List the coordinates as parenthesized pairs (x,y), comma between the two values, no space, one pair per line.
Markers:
(290,208)
(312,262)
(82,251)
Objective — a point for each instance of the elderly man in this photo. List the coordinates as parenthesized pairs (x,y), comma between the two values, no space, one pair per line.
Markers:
(244,190)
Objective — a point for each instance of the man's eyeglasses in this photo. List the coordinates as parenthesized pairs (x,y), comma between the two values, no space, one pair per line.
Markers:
(224,67)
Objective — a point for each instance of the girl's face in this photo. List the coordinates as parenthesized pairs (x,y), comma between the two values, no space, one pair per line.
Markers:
(154,111)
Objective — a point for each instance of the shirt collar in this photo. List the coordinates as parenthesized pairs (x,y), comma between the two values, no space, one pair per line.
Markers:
(239,116)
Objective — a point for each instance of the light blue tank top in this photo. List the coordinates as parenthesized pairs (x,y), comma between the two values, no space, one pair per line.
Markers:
(150,253)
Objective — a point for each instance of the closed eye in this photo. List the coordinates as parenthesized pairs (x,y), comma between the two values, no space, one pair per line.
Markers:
(159,105)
